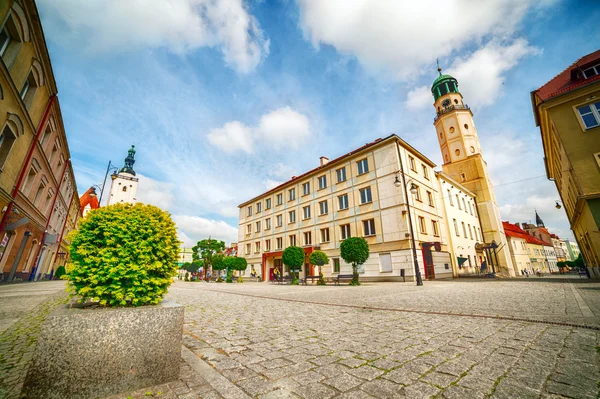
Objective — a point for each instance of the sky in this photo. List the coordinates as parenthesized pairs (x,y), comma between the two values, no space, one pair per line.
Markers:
(225,99)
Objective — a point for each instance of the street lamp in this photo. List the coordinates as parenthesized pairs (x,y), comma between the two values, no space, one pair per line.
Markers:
(413,189)
(108,169)
(558,204)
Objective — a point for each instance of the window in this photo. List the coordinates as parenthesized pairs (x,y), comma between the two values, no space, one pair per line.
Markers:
(55,148)
(363,166)
(464,204)
(307,238)
(124,189)
(279,219)
(365,195)
(456,228)
(343,201)
(470,209)
(48,203)
(434,227)
(306,212)
(268,203)
(470,232)
(590,115)
(292,194)
(9,41)
(61,161)
(4,40)
(258,227)
(411,161)
(385,262)
(450,198)
(292,216)
(33,171)
(422,228)
(341,175)
(345,230)
(258,207)
(47,133)
(7,139)
(325,235)
(430,198)
(248,248)
(293,240)
(323,208)
(336,265)
(306,188)
(249,213)
(480,235)
(322,182)
(267,224)
(28,90)
(40,190)
(267,245)
(458,202)
(592,71)
(464,229)
(248,228)
(257,246)
(279,199)
(369,227)
(279,241)
(418,194)
(425,173)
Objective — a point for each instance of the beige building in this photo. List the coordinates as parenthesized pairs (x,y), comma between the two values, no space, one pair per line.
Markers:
(463,162)
(353,195)
(567,110)
(462,227)
(517,240)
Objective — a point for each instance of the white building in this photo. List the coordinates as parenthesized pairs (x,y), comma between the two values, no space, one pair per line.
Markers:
(572,250)
(123,188)
(462,227)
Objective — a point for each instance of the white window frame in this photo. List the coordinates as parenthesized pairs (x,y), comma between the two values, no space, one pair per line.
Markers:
(307,234)
(595,111)
(292,216)
(325,235)
(323,208)
(363,166)
(258,226)
(258,207)
(279,198)
(306,212)
(306,188)
(322,182)
(341,172)
(369,227)
(279,220)
(345,231)
(343,200)
(268,203)
(366,195)
(292,194)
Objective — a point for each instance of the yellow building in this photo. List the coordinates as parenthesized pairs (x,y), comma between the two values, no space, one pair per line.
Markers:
(567,110)
(353,195)
(463,162)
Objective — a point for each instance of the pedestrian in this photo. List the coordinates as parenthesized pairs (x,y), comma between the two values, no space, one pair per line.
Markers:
(537,271)
(526,273)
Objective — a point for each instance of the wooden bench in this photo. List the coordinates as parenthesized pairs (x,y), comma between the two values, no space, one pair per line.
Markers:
(312,278)
(285,279)
(343,277)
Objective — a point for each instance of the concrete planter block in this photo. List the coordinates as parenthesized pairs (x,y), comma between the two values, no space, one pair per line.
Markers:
(90,353)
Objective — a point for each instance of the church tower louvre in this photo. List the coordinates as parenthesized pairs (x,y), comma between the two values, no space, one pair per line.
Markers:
(463,161)
(123,188)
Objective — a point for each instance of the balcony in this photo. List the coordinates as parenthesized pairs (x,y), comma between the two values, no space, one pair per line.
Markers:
(450,109)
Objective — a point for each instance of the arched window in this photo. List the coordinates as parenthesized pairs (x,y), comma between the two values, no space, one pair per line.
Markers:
(124,188)
(14,31)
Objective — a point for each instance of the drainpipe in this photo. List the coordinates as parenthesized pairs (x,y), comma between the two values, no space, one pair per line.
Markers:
(37,260)
(25,167)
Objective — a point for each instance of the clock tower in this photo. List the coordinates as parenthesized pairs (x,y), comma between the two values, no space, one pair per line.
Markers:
(124,183)
(463,161)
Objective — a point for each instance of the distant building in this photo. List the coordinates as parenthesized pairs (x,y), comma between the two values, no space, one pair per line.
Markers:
(184,256)
(124,184)
(560,247)
(572,250)
(517,244)
(529,252)
(567,111)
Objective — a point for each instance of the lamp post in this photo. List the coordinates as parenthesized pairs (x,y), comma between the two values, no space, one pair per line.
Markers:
(413,190)
(108,169)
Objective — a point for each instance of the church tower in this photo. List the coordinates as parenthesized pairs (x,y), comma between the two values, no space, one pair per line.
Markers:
(124,183)
(463,161)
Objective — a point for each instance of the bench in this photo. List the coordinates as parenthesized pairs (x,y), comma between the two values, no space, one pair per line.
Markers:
(285,279)
(582,273)
(343,277)
(312,278)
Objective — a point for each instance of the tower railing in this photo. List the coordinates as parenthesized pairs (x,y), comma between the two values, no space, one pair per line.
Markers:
(450,109)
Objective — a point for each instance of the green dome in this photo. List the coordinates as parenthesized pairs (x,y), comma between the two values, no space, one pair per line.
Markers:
(444,84)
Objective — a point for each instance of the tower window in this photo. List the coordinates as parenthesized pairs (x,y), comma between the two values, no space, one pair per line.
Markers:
(455,101)
(466,126)
(451,129)
(457,152)
(472,149)
(441,135)
(124,188)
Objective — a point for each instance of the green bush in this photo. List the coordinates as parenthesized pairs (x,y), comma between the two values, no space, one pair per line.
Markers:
(60,272)
(124,255)
(354,250)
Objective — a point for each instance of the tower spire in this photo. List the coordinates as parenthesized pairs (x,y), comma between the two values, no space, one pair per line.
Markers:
(129,161)
(437,60)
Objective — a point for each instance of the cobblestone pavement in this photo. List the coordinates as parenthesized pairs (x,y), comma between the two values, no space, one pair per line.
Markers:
(23,308)
(273,348)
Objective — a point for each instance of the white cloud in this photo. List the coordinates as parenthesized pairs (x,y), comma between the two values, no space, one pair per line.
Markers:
(480,76)
(402,37)
(418,98)
(283,126)
(270,184)
(181,26)
(154,192)
(195,228)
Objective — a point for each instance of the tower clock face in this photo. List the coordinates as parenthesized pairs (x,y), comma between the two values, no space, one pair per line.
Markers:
(446,102)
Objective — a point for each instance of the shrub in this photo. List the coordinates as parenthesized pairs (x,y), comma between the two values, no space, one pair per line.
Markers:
(354,250)
(124,255)
(60,272)
(294,258)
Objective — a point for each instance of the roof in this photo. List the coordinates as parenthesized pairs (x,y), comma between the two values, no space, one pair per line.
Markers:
(441,78)
(512,230)
(341,158)
(570,78)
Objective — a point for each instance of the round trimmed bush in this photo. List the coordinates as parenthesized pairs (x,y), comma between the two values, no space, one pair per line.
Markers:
(124,255)
(60,272)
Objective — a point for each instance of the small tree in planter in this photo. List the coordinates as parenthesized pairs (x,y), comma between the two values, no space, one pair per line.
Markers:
(294,258)
(124,255)
(218,264)
(319,258)
(354,250)
(240,264)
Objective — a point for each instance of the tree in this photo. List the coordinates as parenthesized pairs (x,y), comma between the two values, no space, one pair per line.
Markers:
(239,264)
(354,250)
(218,264)
(319,258)
(124,255)
(294,258)
(206,250)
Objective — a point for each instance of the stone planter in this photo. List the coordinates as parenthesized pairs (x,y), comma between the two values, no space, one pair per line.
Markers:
(90,353)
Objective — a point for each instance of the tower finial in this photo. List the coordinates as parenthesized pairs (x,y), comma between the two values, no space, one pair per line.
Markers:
(437,60)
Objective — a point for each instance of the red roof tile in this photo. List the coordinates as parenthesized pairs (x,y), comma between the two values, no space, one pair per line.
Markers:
(567,80)
(512,230)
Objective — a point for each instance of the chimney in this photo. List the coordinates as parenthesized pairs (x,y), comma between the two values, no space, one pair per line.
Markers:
(518,224)
(324,160)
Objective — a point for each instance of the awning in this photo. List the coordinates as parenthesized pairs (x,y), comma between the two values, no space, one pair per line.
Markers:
(461,260)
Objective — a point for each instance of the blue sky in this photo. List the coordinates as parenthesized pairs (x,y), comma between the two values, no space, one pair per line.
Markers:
(224,99)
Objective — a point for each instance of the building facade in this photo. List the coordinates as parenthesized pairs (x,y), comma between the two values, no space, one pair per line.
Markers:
(567,111)
(353,195)
(123,188)
(572,250)
(463,161)
(518,246)
(37,185)
(560,248)
(463,230)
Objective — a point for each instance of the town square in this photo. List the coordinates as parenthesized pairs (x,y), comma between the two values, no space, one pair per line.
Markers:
(299,199)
